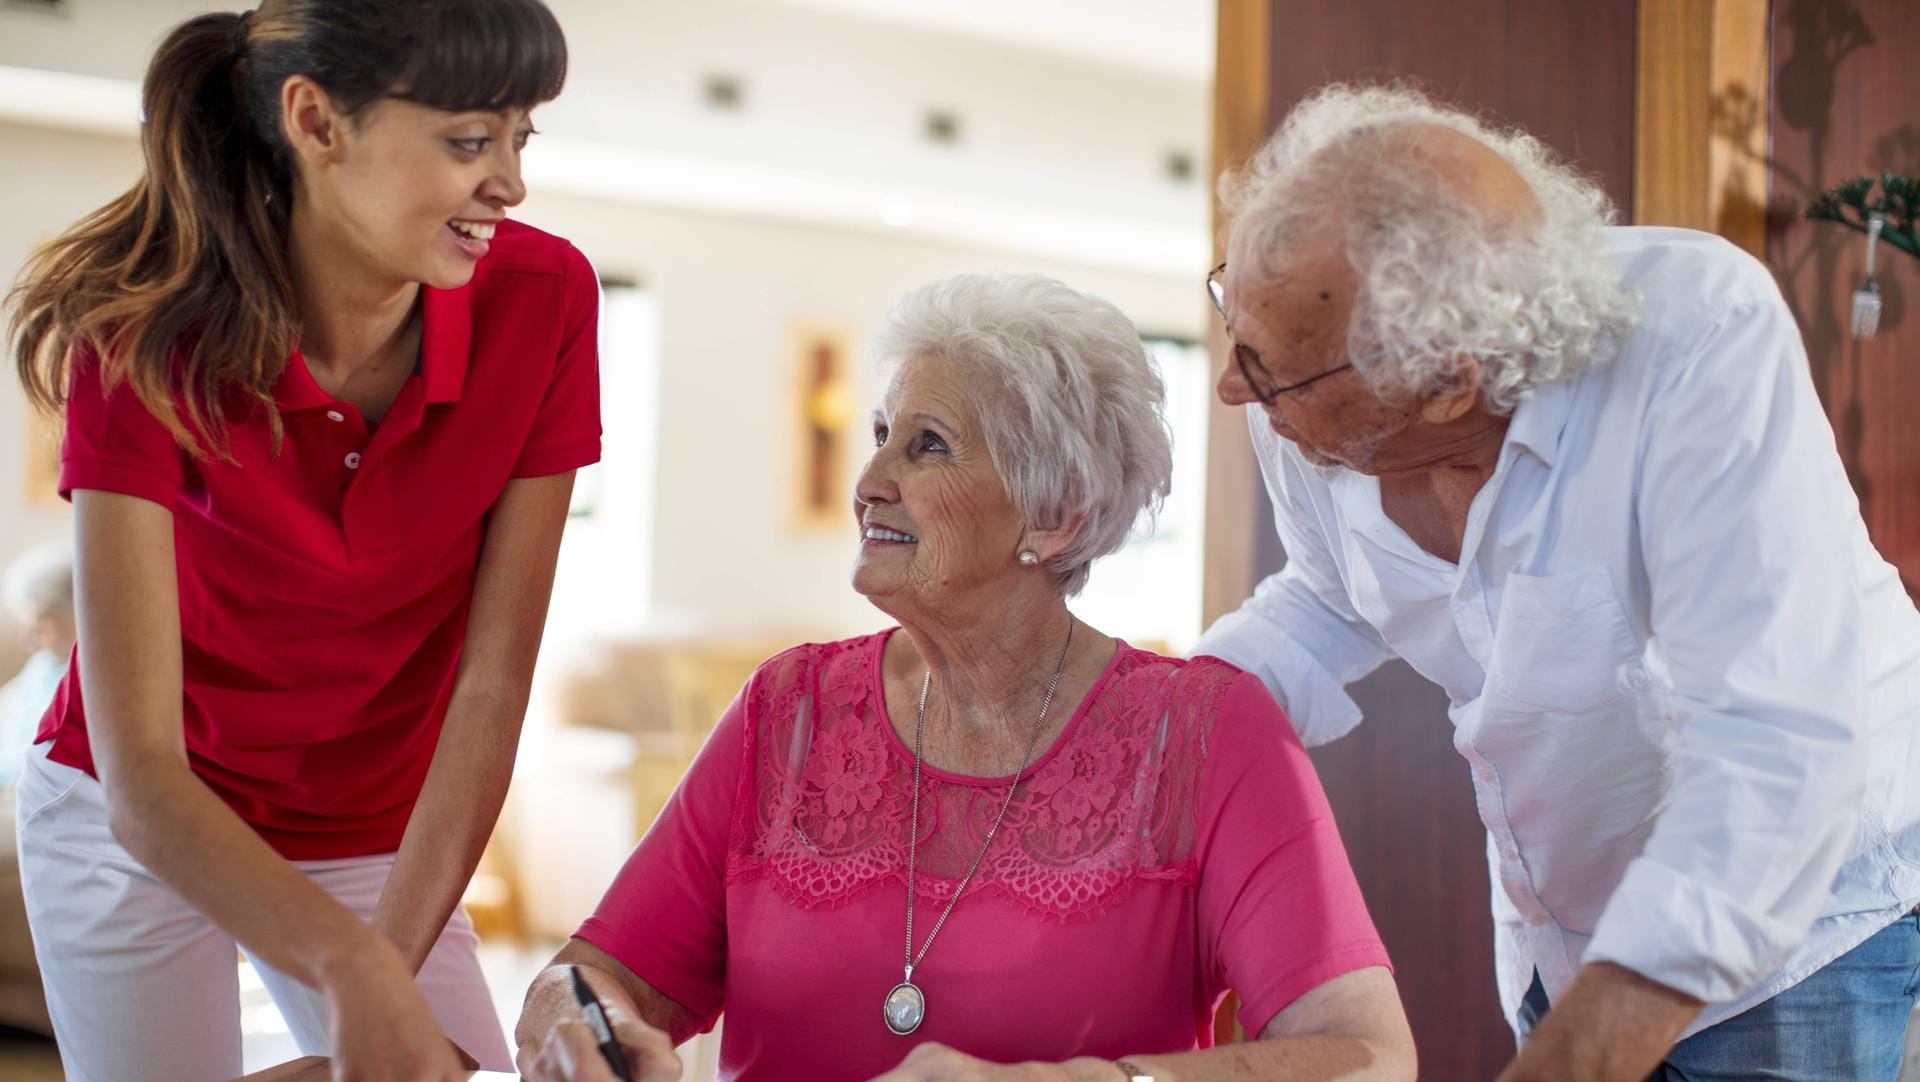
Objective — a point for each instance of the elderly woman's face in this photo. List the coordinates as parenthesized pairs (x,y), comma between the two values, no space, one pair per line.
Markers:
(934,515)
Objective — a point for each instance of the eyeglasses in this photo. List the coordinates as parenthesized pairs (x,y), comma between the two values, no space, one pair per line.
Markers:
(1259,380)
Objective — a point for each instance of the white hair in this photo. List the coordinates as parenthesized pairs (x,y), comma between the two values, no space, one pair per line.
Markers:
(39,583)
(1533,300)
(1071,403)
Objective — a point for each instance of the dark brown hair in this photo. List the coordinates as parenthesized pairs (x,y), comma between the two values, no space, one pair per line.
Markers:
(181,286)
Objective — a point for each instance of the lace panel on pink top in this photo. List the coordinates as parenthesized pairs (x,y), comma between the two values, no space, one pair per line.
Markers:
(825,803)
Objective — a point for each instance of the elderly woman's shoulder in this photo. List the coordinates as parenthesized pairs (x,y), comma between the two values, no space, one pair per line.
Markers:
(809,662)
(1201,678)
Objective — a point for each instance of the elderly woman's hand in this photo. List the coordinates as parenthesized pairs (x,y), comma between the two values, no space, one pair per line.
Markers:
(570,1054)
(938,1063)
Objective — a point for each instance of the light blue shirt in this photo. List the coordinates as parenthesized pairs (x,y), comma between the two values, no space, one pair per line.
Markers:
(23,700)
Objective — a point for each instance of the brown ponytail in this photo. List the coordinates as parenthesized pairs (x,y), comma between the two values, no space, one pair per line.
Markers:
(181,286)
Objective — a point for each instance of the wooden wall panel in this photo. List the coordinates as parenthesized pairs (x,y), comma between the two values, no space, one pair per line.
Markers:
(1846,103)
(1562,69)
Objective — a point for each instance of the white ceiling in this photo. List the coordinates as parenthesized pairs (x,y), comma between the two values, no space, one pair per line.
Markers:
(1170,37)
(1067,108)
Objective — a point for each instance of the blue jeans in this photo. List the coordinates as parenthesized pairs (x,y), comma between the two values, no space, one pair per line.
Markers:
(1846,1022)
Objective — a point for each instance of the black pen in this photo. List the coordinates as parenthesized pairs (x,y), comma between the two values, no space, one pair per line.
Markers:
(597,1022)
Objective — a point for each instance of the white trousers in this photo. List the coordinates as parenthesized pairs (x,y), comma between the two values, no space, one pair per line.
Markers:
(142,986)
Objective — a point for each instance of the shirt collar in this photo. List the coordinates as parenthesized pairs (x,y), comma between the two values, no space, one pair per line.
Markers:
(446,340)
(1540,418)
(296,389)
(1537,424)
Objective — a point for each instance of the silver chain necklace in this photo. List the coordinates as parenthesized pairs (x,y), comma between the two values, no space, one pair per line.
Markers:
(906,1005)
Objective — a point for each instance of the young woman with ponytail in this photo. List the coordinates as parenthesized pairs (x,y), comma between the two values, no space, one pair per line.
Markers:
(322,408)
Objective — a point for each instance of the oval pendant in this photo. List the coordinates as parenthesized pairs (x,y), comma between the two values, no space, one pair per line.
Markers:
(906,1008)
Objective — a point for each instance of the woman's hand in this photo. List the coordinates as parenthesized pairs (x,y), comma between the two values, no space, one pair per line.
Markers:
(938,1063)
(383,1029)
(569,1053)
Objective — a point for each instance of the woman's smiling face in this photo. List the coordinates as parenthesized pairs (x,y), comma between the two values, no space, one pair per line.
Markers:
(415,191)
(936,521)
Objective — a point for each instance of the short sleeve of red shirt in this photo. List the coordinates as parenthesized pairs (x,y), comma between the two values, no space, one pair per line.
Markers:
(665,916)
(566,431)
(112,443)
(1279,905)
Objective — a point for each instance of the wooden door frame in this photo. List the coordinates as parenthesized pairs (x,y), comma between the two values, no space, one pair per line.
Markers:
(1700,126)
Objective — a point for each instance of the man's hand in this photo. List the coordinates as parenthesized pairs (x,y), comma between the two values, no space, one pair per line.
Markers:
(1611,1025)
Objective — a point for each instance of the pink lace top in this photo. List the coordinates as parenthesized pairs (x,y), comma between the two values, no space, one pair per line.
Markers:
(1171,844)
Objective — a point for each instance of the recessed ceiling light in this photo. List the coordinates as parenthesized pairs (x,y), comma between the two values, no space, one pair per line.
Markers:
(1178,165)
(941,126)
(724,92)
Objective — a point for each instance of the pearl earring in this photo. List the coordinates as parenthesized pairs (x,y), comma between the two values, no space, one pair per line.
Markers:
(1028,557)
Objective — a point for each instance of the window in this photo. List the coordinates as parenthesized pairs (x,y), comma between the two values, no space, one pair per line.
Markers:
(1149,592)
(604,582)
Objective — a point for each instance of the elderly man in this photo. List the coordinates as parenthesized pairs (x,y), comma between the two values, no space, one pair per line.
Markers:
(1578,476)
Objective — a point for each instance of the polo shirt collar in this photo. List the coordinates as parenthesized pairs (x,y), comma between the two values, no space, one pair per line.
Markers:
(296,389)
(446,341)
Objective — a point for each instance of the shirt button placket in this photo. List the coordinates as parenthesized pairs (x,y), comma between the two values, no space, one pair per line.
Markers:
(352,459)
(355,438)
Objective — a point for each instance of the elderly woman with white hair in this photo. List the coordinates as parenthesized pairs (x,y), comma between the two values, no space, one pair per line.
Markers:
(1578,476)
(38,590)
(993,843)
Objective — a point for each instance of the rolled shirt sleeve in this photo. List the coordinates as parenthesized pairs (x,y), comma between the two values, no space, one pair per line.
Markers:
(1299,632)
(1767,680)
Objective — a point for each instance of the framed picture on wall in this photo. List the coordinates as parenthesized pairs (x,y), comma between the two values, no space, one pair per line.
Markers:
(820,408)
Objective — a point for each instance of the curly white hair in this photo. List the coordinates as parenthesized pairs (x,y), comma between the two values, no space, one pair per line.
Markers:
(1533,298)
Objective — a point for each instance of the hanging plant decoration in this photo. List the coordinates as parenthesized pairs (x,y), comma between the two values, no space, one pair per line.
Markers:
(1888,215)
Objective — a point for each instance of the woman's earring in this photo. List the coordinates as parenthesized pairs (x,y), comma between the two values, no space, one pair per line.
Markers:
(1028,557)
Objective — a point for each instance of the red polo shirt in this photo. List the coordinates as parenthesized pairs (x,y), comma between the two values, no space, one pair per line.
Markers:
(324,591)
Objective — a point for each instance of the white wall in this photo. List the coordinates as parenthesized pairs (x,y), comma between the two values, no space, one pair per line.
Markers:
(727,290)
(47,179)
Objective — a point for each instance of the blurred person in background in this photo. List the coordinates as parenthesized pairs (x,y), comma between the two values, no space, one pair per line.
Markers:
(322,408)
(38,591)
